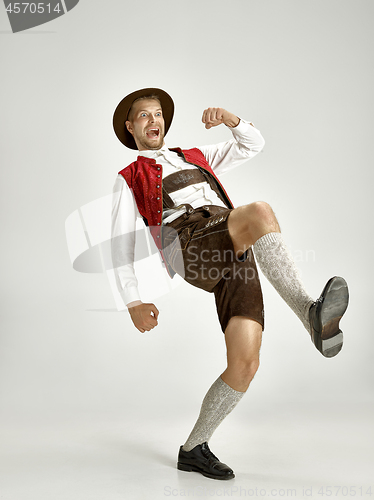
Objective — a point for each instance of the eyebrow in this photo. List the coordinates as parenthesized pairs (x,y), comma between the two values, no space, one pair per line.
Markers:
(142,110)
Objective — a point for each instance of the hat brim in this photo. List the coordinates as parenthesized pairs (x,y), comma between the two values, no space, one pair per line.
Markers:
(123,108)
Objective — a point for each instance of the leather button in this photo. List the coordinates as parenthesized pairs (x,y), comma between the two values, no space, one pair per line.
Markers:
(206,208)
(190,210)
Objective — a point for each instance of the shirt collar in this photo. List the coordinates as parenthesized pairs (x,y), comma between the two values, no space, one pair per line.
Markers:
(154,153)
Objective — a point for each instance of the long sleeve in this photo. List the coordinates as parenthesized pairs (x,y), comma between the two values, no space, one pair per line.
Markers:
(246,143)
(124,215)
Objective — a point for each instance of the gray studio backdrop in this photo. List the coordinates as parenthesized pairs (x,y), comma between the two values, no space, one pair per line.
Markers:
(302,72)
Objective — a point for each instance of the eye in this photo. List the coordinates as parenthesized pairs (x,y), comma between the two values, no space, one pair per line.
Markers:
(143,114)
(158,114)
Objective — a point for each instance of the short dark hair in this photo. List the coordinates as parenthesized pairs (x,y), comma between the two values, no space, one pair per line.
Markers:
(151,96)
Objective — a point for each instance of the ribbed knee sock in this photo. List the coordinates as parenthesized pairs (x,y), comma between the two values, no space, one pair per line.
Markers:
(277,264)
(219,401)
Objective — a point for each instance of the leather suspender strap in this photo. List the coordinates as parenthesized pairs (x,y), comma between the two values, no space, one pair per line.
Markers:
(167,202)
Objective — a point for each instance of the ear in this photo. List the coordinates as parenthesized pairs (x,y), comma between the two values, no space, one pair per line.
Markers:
(129,127)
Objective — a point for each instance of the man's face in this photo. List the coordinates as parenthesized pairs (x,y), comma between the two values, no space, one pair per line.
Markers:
(147,124)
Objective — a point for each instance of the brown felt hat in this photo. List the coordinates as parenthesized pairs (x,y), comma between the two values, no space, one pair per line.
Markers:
(123,108)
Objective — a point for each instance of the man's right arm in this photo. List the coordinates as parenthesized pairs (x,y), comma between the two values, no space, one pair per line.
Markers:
(246,142)
(124,214)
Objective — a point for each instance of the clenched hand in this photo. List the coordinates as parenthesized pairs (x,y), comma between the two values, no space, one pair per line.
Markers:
(144,316)
(215,116)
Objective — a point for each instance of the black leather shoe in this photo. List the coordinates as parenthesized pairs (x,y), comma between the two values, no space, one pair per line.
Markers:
(201,459)
(324,317)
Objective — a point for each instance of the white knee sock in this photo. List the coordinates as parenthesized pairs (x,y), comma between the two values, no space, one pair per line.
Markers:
(219,401)
(278,266)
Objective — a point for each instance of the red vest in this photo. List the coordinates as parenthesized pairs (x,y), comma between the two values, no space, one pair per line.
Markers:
(144,178)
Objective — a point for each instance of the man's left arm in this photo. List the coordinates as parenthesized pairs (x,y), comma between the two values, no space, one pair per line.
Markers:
(246,143)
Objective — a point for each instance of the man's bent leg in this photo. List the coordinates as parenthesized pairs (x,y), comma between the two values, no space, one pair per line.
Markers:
(256,225)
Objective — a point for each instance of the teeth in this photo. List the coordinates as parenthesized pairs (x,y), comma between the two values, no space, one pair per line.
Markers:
(153,131)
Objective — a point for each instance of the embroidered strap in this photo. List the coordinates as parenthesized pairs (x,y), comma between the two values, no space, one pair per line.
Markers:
(182,179)
(179,180)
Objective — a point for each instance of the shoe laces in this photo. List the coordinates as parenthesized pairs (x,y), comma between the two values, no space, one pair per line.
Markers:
(208,454)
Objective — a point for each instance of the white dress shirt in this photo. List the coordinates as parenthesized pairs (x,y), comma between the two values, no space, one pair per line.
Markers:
(247,141)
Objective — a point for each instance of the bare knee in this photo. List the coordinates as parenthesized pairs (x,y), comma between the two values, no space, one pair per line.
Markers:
(256,219)
(250,222)
(261,220)
(250,368)
(243,341)
(263,213)
(245,369)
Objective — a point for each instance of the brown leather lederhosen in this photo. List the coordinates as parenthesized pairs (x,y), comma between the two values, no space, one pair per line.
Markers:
(198,246)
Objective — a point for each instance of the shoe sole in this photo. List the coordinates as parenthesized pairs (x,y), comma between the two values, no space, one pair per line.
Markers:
(191,468)
(335,302)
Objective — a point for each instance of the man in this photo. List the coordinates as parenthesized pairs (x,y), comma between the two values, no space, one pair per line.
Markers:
(210,244)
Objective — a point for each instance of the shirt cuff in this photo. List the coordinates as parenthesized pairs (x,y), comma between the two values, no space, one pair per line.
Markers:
(242,126)
(246,132)
(133,304)
(130,295)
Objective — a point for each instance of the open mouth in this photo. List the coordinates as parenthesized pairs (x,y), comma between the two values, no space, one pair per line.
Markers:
(153,133)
